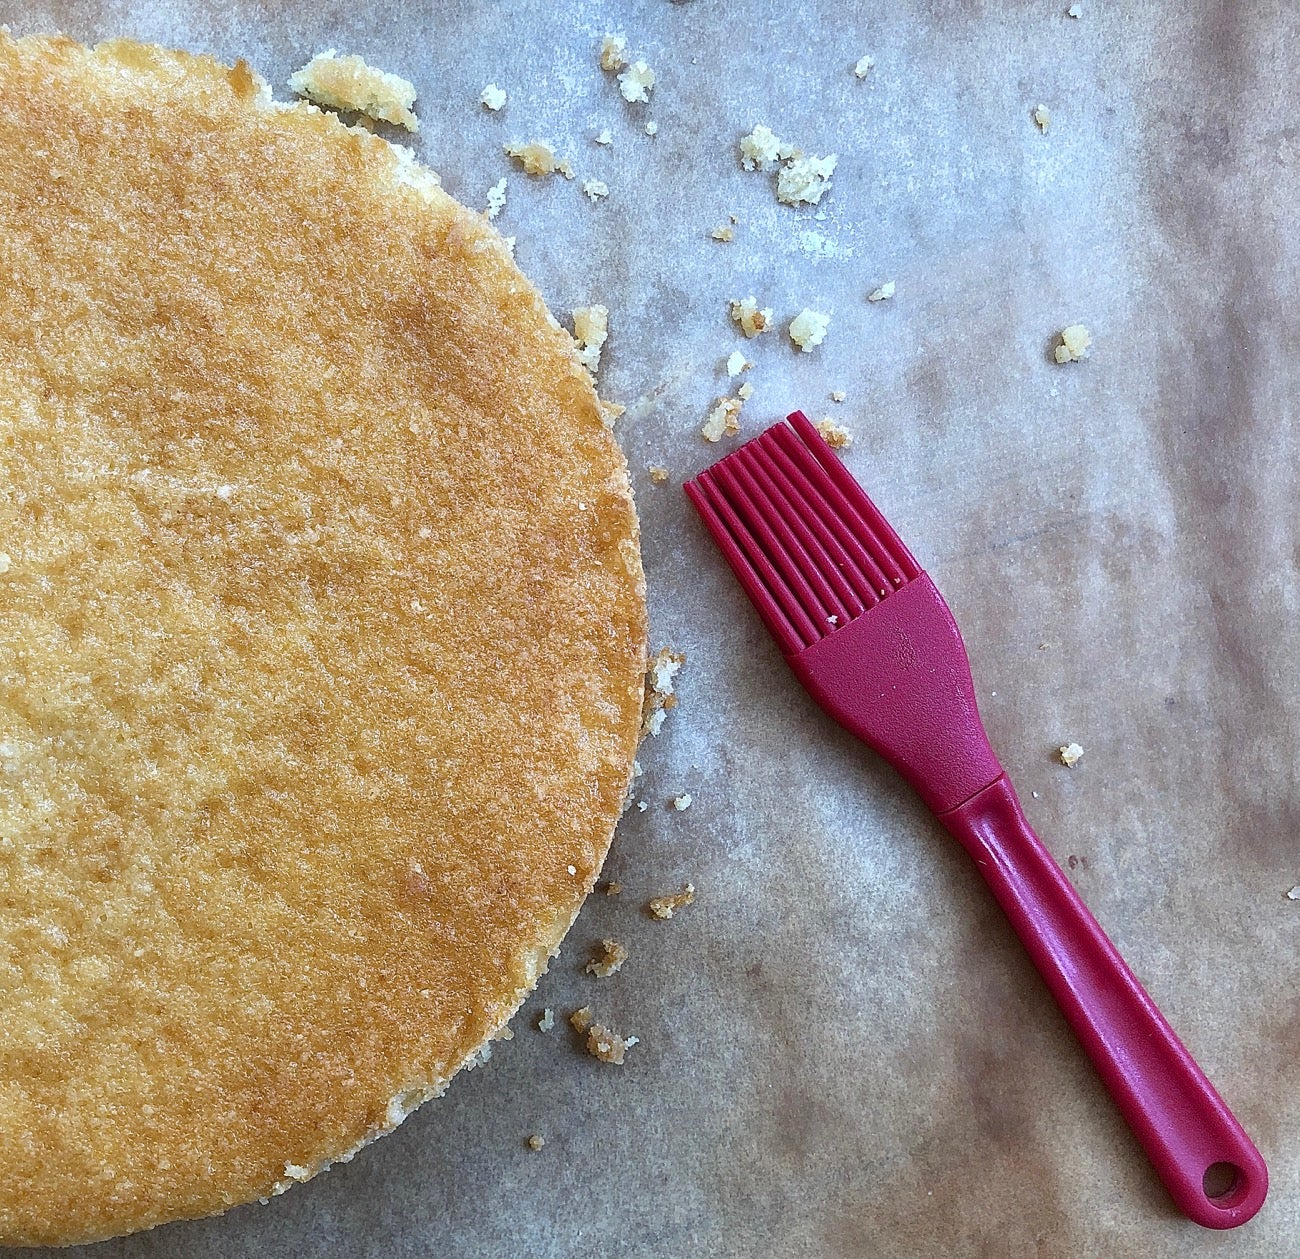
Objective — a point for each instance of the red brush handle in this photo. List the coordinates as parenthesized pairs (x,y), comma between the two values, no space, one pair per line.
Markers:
(1173,1109)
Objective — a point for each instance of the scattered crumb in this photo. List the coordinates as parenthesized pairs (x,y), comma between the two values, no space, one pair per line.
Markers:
(652,128)
(612,957)
(803,180)
(349,83)
(752,321)
(613,52)
(1069,754)
(836,435)
(496,198)
(723,420)
(613,887)
(538,158)
(837,395)
(762,150)
(493,97)
(1042,118)
(547,1021)
(808,328)
(1075,341)
(536,1141)
(883,293)
(1074,11)
(724,233)
(659,698)
(590,331)
(658,474)
(667,906)
(737,363)
(681,803)
(594,189)
(641,806)
(636,83)
(605,137)
(745,392)
(864,67)
(607,1045)
(1294,893)
(580,1020)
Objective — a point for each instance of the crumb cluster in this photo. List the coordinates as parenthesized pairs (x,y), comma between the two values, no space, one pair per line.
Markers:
(350,83)
(659,697)
(808,329)
(538,157)
(836,435)
(602,1042)
(1075,341)
(612,956)
(590,332)
(666,906)
(801,179)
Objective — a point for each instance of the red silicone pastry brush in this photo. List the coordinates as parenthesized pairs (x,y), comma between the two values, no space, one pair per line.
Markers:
(869,636)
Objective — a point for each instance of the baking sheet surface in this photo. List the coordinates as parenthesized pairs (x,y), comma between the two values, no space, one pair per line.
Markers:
(843,1051)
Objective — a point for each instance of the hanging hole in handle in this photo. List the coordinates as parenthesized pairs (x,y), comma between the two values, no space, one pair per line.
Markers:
(1220,1182)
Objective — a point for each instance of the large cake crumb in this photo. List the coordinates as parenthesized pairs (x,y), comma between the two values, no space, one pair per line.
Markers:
(723,420)
(613,955)
(659,698)
(602,1042)
(667,906)
(808,329)
(1070,754)
(752,321)
(837,437)
(737,363)
(537,157)
(590,331)
(349,83)
(802,180)
(761,149)
(636,82)
(613,52)
(1075,341)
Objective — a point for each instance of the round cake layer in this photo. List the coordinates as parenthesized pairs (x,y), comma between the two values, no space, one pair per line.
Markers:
(322,638)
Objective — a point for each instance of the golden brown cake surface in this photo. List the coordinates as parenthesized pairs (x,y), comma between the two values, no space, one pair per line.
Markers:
(321,646)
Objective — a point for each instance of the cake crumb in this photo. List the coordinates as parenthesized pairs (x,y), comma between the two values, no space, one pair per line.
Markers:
(658,473)
(883,293)
(1074,10)
(607,1045)
(803,179)
(547,1021)
(864,67)
(536,1141)
(613,955)
(659,698)
(666,906)
(737,363)
(613,53)
(613,888)
(836,436)
(537,157)
(6,563)
(636,83)
(745,392)
(724,234)
(604,137)
(762,150)
(641,806)
(723,420)
(609,412)
(590,332)
(1075,341)
(808,329)
(1042,118)
(594,189)
(1069,754)
(496,198)
(652,128)
(752,321)
(349,83)
(493,97)
(1294,893)
(837,395)
(681,803)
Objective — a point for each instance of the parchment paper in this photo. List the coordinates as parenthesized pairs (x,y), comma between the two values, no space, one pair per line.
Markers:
(844,1052)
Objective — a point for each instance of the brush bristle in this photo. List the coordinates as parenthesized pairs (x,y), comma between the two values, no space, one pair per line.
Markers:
(809,547)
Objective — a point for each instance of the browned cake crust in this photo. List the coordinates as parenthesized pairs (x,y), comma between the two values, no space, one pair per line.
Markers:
(321,646)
